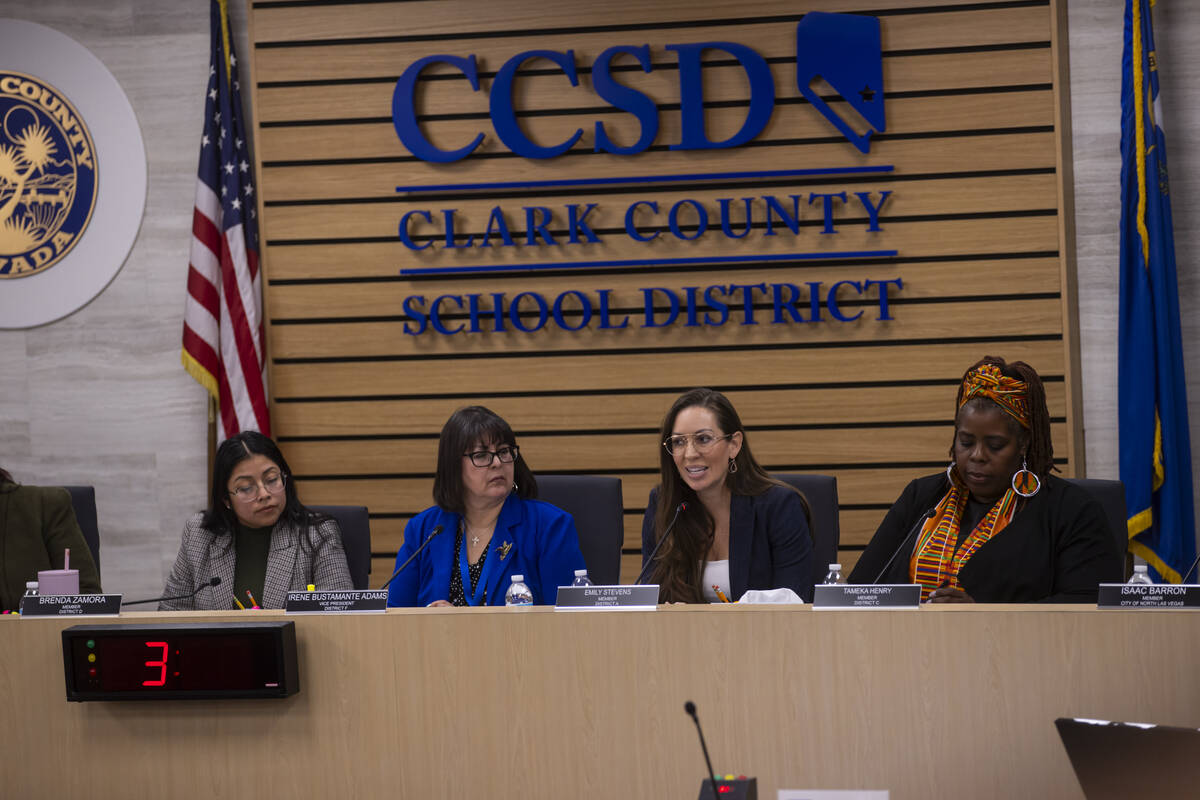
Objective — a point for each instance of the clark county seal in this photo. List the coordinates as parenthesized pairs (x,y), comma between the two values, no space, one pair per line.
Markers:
(47,175)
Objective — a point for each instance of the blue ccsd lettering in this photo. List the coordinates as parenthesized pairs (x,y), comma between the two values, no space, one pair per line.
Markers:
(843,49)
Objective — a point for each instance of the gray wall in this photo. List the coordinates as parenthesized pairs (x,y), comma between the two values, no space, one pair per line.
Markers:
(101,398)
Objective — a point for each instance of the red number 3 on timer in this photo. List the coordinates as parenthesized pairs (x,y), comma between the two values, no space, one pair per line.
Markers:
(162,665)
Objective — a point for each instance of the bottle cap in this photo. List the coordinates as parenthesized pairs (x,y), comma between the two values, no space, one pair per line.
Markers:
(518,578)
(31,584)
(579,573)
(1136,568)
(312,587)
(835,567)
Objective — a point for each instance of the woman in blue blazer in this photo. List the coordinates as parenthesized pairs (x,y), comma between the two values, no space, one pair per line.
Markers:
(488,526)
(739,528)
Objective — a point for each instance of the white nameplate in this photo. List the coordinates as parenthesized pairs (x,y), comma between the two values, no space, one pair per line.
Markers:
(884,595)
(1154,595)
(607,598)
(71,605)
(347,601)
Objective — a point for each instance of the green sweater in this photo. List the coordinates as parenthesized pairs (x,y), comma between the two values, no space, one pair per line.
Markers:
(36,524)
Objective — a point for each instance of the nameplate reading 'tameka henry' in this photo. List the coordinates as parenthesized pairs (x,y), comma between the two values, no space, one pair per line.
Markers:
(606,598)
(71,605)
(886,595)
(1141,595)
(348,601)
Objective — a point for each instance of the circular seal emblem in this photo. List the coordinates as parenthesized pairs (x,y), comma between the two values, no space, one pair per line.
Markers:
(47,175)
(64,233)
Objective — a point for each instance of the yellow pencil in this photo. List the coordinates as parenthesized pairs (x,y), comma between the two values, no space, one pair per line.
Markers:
(239,603)
(720,595)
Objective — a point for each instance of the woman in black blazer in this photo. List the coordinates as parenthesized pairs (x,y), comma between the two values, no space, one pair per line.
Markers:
(740,529)
(996,527)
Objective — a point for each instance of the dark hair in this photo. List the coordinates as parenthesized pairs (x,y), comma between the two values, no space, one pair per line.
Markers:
(466,428)
(679,563)
(6,477)
(220,517)
(1035,441)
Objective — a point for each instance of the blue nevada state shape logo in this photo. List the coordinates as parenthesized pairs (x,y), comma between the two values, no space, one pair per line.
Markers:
(845,50)
(47,175)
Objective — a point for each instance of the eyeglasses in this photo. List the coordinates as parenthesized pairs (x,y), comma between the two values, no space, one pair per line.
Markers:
(703,442)
(483,458)
(273,483)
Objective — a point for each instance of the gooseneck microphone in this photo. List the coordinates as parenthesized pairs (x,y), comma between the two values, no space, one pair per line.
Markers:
(436,530)
(1184,578)
(213,581)
(690,708)
(670,528)
(913,532)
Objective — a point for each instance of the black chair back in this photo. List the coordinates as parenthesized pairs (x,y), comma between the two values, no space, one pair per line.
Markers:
(1111,496)
(83,498)
(595,503)
(821,491)
(356,539)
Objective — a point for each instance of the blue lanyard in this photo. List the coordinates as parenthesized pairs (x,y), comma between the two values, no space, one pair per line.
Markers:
(478,597)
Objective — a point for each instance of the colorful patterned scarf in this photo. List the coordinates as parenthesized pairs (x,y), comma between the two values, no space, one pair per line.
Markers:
(1011,394)
(935,558)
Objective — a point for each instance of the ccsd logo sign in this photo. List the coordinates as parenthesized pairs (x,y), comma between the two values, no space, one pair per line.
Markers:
(843,49)
(47,175)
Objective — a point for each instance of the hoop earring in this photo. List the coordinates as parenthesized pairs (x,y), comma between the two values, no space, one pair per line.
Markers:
(515,487)
(733,467)
(1024,482)
(950,473)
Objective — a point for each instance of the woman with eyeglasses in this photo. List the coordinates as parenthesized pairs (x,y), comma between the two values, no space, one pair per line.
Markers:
(486,526)
(741,529)
(256,537)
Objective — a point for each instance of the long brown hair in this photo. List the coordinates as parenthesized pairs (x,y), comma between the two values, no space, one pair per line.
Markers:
(1039,450)
(679,563)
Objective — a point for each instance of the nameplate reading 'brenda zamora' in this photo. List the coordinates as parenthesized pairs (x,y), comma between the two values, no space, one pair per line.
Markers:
(71,605)
(1157,595)
(886,595)
(349,601)
(606,598)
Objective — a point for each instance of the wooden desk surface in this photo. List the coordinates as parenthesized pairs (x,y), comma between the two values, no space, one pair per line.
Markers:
(458,703)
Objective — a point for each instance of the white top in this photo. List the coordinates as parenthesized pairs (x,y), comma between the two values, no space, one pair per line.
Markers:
(715,572)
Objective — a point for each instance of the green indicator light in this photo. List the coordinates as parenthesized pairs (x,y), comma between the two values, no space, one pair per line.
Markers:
(91,643)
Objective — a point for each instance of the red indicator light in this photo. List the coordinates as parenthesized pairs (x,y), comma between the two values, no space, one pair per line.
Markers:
(725,788)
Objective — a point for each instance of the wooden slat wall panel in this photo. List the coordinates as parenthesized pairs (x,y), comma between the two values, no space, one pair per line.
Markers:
(974,95)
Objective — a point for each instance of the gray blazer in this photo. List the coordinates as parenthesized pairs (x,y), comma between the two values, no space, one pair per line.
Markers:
(204,555)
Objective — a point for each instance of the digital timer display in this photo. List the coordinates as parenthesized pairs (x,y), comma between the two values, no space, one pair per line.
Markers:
(180,661)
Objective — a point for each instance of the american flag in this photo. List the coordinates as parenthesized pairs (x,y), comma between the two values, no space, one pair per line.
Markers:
(223,322)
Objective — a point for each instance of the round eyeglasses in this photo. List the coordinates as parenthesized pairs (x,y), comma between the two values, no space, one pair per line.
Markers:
(273,483)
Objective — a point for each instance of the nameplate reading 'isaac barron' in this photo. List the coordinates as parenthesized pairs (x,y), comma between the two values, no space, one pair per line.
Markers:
(886,595)
(354,601)
(71,605)
(1158,595)
(72,175)
(606,598)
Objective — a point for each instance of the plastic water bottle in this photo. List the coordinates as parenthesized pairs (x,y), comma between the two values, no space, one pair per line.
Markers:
(834,575)
(581,578)
(30,596)
(1140,576)
(518,593)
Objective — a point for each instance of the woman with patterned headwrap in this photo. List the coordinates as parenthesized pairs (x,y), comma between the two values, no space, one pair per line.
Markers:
(996,527)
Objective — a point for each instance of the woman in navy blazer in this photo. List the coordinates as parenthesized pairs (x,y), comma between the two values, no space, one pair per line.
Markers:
(741,529)
(486,526)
